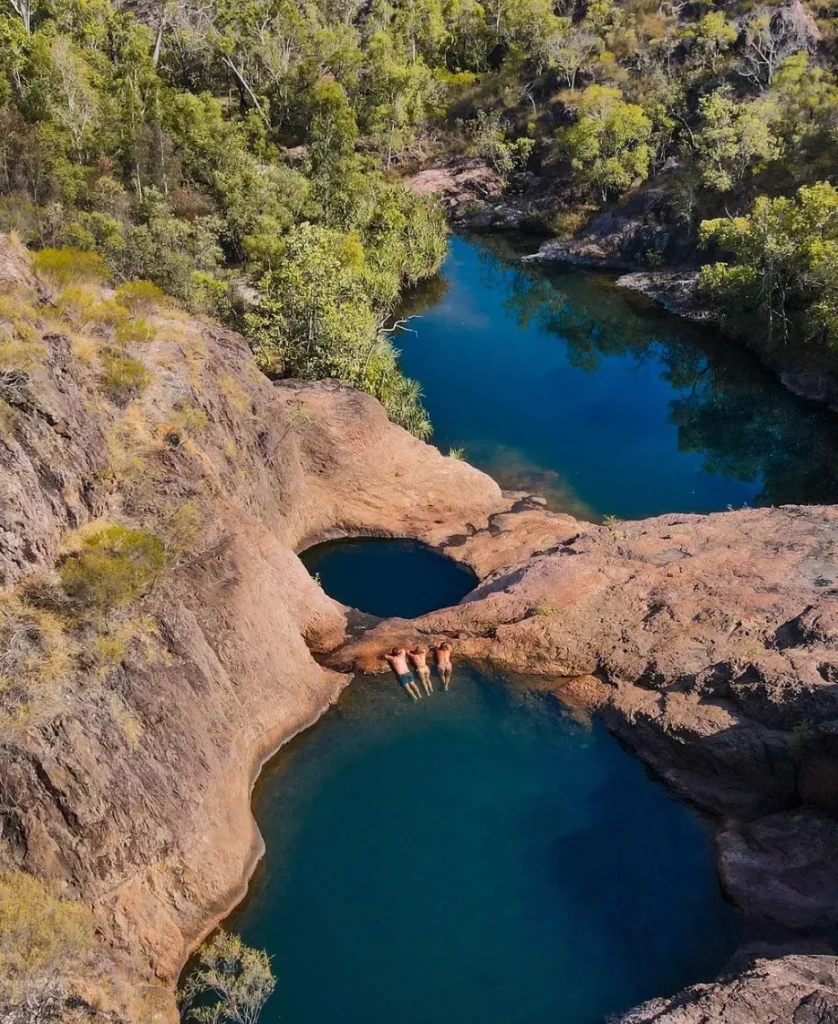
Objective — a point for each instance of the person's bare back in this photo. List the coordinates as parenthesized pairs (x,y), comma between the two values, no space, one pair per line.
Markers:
(419,660)
(397,660)
(442,654)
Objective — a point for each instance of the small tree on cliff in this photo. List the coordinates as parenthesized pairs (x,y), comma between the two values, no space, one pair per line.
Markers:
(230,985)
(608,146)
(785,271)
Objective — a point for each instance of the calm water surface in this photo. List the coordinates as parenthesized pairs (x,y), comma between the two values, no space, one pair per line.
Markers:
(480,857)
(485,856)
(388,577)
(558,381)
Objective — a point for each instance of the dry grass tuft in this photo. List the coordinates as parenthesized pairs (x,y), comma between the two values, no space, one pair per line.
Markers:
(235,393)
(36,653)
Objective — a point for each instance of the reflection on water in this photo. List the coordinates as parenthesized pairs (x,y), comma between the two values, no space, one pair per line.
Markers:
(555,380)
(478,856)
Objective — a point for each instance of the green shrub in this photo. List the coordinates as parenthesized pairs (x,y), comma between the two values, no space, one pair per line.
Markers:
(140,296)
(63,267)
(114,566)
(134,330)
(122,377)
(230,984)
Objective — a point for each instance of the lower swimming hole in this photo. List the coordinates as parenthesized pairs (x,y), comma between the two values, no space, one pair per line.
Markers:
(481,855)
(485,854)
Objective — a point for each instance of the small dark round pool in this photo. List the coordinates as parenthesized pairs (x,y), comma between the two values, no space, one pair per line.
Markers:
(389,578)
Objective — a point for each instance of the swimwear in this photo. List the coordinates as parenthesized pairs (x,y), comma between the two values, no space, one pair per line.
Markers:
(405,677)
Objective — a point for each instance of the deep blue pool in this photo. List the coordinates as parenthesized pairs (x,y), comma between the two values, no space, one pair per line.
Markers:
(388,577)
(479,857)
(555,380)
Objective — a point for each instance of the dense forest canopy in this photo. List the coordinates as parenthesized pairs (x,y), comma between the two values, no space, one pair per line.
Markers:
(205,143)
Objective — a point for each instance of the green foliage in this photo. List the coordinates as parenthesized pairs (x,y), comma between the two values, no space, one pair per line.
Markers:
(786,270)
(733,140)
(608,146)
(318,319)
(189,158)
(489,141)
(315,319)
(122,377)
(113,566)
(230,984)
(140,297)
(63,267)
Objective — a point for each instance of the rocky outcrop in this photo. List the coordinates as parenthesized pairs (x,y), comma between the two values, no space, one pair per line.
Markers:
(476,197)
(789,990)
(708,644)
(613,243)
(463,186)
(784,868)
(676,291)
(626,236)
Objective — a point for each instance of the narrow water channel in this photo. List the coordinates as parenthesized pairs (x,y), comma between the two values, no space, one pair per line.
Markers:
(486,856)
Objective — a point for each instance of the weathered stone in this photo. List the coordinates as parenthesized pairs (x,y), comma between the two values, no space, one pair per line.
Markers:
(788,990)
(784,868)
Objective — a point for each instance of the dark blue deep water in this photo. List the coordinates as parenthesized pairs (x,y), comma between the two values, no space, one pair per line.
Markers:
(479,857)
(558,381)
(388,577)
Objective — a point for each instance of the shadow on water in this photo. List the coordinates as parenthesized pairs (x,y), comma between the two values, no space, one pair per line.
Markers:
(554,379)
(478,856)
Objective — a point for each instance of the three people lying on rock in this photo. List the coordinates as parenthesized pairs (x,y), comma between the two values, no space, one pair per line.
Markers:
(407,666)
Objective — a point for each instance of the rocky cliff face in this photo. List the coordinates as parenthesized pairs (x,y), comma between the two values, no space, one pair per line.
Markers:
(709,644)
